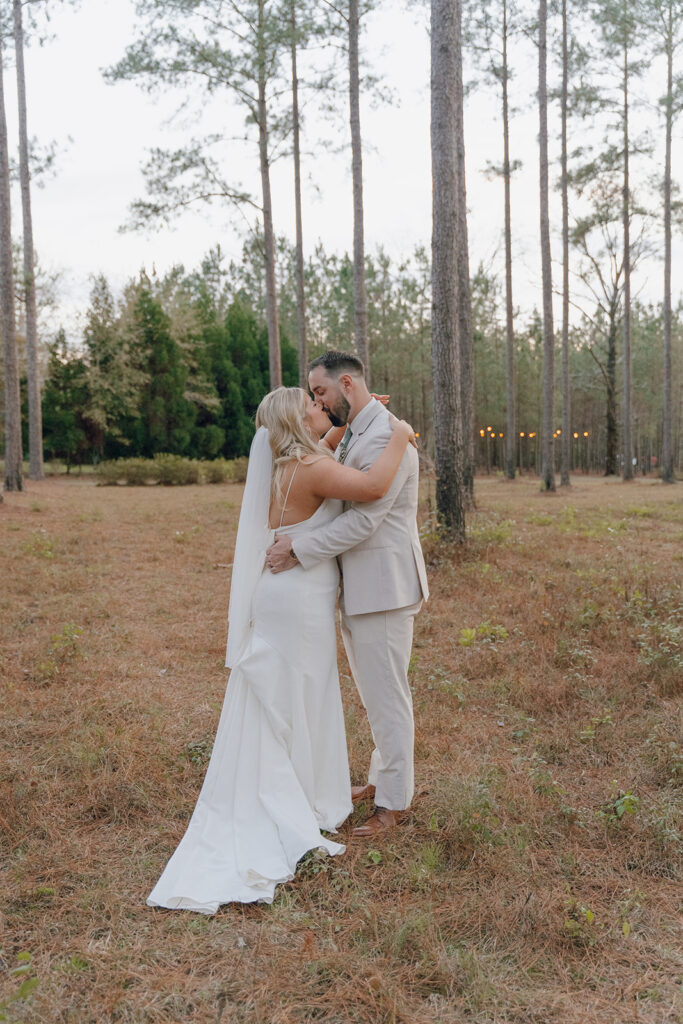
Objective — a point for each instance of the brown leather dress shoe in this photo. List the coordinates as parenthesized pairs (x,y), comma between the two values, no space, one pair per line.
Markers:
(359,793)
(380,821)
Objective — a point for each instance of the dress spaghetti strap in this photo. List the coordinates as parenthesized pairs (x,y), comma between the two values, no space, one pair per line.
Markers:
(284,506)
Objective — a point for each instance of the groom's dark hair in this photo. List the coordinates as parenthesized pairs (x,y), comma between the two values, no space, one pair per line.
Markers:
(335,363)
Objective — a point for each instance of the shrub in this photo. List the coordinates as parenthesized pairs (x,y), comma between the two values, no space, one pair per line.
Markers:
(169,470)
(239,469)
(217,471)
(110,473)
(129,471)
(175,469)
(138,472)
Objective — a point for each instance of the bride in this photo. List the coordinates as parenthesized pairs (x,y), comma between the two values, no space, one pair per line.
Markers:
(278,775)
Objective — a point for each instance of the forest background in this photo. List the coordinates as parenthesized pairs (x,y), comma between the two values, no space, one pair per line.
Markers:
(175,358)
(536,876)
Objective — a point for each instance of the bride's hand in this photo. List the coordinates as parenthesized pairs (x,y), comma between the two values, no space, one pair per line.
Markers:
(404,428)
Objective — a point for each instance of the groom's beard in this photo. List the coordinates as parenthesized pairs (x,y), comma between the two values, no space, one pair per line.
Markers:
(339,412)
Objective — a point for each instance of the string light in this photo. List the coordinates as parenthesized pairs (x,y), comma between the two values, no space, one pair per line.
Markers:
(490,432)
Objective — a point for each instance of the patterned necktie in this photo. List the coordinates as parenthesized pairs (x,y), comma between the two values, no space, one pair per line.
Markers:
(343,445)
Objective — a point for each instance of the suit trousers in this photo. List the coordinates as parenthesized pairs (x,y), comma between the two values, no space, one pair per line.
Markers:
(378,646)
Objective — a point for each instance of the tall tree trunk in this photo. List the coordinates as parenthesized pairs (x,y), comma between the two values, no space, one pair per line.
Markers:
(465,337)
(548,459)
(35,418)
(611,439)
(510,389)
(360,300)
(566,412)
(300,292)
(272,319)
(424,402)
(13,447)
(667,448)
(627,469)
(448,442)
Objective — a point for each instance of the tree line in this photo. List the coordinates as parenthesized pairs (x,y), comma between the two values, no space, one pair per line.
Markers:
(179,363)
(603,49)
(168,367)
(249,53)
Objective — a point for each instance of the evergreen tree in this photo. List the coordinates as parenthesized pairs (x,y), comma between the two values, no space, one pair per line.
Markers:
(449,443)
(666,20)
(547,431)
(359,288)
(14,479)
(236,49)
(564,187)
(491,26)
(165,418)
(619,22)
(33,379)
(114,380)
(65,399)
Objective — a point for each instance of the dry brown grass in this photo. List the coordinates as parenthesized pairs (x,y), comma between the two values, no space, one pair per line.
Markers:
(510,896)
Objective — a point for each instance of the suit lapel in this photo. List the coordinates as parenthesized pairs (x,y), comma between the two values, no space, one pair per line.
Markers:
(355,435)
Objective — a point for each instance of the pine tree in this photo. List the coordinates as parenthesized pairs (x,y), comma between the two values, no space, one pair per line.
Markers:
(114,381)
(491,26)
(465,337)
(65,398)
(14,480)
(298,217)
(665,18)
(446,322)
(547,432)
(564,186)
(619,22)
(164,418)
(34,404)
(578,98)
(359,289)
(601,269)
(238,50)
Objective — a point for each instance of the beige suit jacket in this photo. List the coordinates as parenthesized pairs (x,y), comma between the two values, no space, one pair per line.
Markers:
(381,557)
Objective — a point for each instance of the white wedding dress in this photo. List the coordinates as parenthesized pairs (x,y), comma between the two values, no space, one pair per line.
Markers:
(279,769)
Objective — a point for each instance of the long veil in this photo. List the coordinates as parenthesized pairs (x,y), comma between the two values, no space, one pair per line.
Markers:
(253,537)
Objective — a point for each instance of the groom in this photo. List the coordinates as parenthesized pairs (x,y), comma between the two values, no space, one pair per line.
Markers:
(384,582)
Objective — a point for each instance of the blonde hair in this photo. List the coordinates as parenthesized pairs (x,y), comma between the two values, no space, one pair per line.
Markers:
(282,412)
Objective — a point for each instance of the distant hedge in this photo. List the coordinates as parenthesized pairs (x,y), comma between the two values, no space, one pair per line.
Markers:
(170,470)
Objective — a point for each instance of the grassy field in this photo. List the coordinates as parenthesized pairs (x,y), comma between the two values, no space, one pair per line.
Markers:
(536,880)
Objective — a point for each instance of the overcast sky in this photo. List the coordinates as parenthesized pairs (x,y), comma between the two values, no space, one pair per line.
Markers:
(78,213)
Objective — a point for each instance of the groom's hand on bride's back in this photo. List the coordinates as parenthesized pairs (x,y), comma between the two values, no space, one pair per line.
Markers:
(279,556)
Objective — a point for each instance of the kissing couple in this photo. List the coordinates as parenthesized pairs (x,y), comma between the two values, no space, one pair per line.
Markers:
(278,777)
